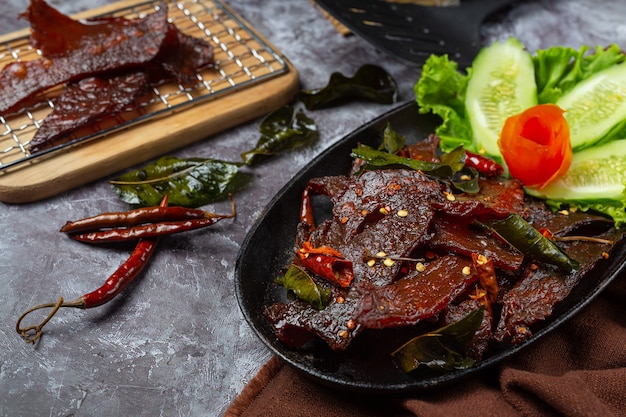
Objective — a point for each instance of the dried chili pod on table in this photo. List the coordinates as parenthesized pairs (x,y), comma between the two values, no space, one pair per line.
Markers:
(142,223)
(134,217)
(123,276)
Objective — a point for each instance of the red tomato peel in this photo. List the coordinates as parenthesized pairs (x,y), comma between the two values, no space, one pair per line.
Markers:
(535,145)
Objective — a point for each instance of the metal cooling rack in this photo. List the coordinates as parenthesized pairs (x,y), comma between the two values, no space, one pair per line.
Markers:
(241,58)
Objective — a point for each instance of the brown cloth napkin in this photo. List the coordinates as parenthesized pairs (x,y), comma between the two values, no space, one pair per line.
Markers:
(578,370)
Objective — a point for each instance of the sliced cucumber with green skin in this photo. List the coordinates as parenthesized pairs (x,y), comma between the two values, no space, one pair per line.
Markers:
(594,106)
(597,175)
(502,84)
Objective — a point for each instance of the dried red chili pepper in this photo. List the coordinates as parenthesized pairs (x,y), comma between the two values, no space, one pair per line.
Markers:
(134,218)
(486,275)
(141,223)
(482,164)
(327,263)
(123,276)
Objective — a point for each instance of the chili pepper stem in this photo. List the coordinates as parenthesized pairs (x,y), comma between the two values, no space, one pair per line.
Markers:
(32,333)
(233,210)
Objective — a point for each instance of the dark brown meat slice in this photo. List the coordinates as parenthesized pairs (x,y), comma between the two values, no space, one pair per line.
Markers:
(455,234)
(295,323)
(93,48)
(496,198)
(180,58)
(85,102)
(46,22)
(418,296)
(358,228)
(540,288)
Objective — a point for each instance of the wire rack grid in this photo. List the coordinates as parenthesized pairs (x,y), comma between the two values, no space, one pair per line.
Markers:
(241,59)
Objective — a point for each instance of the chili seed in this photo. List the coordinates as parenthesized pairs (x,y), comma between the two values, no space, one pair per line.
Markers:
(402,213)
(344,220)
(364,212)
(389,262)
(383,210)
(371,262)
(450,196)
(467,270)
(350,324)
(605,255)
(344,334)
(465,177)
(564,212)
(420,267)
(381,254)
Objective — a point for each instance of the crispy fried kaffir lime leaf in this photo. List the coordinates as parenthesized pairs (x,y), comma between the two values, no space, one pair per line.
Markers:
(302,285)
(393,142)
(370,82)
(450,169)
(282,130)
(190,182)
(442,349)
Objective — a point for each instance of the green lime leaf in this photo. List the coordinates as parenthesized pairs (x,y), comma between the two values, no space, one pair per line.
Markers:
(304,287)
(450,169)
(282,130)
(370,83)
(392,140)
(190,182)
(442,349)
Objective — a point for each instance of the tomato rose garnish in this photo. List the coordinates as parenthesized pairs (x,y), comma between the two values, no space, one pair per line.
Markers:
(535,145)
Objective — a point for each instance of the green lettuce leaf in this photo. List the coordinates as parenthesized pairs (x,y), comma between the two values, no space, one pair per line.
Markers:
(558,69)
(441,90)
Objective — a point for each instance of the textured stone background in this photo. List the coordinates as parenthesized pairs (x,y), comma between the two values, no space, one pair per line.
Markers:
(176,343)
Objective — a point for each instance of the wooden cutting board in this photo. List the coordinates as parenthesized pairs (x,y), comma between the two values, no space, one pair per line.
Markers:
(240,101)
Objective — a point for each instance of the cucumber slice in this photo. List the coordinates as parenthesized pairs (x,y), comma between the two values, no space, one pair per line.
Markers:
(502,84)
(595,105)
(597,175)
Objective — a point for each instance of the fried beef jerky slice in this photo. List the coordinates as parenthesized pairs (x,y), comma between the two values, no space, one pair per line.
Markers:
(93,47)
(417,296)
(85,102)
(359,229)
(542,287)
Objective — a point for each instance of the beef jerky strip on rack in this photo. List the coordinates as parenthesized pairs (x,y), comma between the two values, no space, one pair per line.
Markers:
(85,102)
(92,99)
(84,49)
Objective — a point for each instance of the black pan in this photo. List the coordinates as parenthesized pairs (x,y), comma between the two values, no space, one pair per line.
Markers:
(366,365)
(412,32)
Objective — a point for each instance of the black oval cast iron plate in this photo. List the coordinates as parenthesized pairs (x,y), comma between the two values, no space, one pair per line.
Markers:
(366,365)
